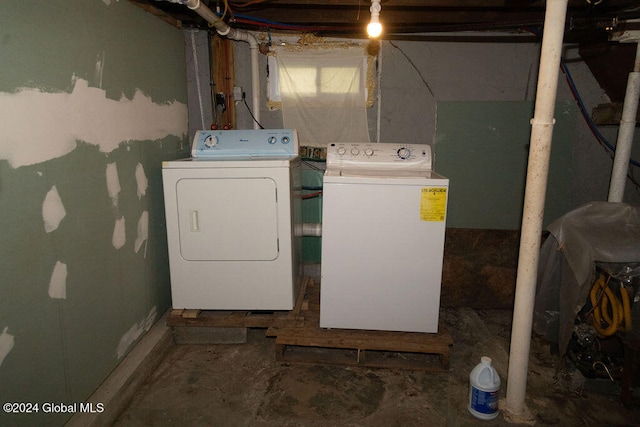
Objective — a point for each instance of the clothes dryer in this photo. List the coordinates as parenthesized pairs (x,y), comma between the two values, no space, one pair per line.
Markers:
(232,212)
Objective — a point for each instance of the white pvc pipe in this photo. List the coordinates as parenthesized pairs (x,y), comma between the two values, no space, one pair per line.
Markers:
(196,67)
(625,134)
(533,212)
(225,30)
(308,229)
(311,229)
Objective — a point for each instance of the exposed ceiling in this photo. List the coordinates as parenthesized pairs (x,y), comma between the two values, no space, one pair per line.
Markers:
(586,19)
(589,23)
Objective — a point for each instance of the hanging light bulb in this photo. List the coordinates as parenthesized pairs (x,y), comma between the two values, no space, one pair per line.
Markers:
(374,29)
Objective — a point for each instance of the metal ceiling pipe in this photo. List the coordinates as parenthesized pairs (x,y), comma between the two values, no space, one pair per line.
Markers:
(625,133)
(225,30)
(533,211)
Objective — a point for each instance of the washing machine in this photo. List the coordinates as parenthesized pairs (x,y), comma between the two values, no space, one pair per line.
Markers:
(232,211)
(383,222)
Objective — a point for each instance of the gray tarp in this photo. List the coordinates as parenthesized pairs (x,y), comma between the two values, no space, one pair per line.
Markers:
(596,232)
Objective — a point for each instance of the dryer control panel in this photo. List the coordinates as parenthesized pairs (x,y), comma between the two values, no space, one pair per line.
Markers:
(379,156)
(245,144)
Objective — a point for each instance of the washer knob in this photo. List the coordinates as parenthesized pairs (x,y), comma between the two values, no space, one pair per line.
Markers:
(404,153)
(355,151)
(368,152)
(341,150)
(272,140)
(285,139)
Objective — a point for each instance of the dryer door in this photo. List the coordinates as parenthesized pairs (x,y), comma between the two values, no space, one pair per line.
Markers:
(227,219)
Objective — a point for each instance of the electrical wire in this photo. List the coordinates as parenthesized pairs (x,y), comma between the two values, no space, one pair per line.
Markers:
(317,189)
(574,90)
(274,25)
(227,79)
(594,129)
(214,110)
(257,21)
(592,126)
(226,9)
(309,162)
(610,149)
(244,99)
(265,23)
(583,110)
(415,67)
(311,195)
(248,3)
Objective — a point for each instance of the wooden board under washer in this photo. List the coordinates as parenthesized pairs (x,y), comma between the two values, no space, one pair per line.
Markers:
(382,349)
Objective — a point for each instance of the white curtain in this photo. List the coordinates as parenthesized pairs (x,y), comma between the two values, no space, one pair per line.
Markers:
(323,93)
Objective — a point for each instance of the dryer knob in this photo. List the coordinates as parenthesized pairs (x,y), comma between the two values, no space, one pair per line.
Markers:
(211,141)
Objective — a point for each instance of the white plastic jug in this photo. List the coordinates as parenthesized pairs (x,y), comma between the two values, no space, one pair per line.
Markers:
(484,390)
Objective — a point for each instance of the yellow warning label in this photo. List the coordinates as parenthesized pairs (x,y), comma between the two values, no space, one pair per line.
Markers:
(433,204)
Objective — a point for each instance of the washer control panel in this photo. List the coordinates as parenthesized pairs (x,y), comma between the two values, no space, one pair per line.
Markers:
(354,155)
(241,144)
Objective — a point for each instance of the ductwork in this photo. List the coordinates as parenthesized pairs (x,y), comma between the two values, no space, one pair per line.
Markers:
(225,30)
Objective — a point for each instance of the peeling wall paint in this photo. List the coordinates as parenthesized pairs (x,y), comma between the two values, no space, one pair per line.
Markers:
(58,282)
(99,69)
(132,335)
(82,86)
(85,114)
(7,342)
(53,211)
(119,234)
(113,183)
(143,231)
(141,180)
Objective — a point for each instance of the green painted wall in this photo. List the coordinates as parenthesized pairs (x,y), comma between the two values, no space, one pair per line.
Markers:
(483,146)
(312,213)
(60,337)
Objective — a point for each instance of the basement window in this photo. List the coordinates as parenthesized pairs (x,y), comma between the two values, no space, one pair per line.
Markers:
(322,91)
(321,80)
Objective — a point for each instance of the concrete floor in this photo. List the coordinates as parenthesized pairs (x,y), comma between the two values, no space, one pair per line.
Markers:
(243,385)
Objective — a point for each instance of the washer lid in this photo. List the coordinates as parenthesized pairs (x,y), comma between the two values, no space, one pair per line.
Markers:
(379,173)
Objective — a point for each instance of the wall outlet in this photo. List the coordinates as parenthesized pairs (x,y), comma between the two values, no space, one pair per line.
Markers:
(237,93)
